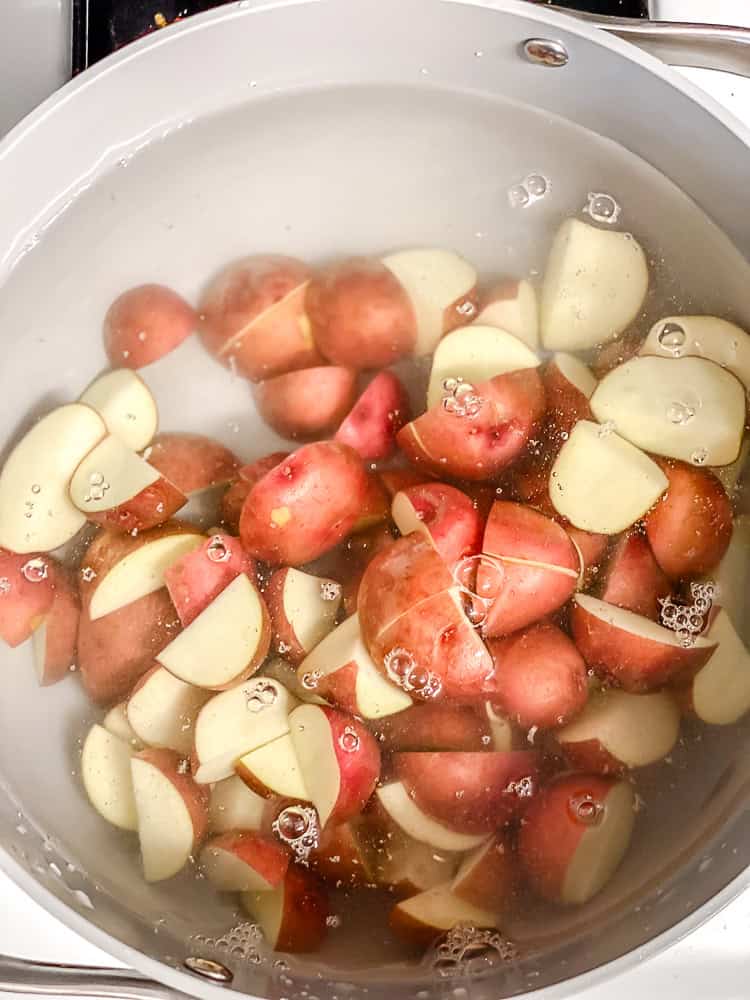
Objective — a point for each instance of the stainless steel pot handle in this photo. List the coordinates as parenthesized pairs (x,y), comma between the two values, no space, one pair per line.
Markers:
(702,46)
(23,976)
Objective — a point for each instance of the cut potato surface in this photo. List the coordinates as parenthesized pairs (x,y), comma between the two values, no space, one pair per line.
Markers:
(234,806)
(273,769)
(576,372)
(602,483)
(475,354)
(124,402)
(432,913)
(162,710)
(686,408)
(702,337)
(110,475)
(36,511)
(721,690)
(512,305)
(404,811)
(105,771)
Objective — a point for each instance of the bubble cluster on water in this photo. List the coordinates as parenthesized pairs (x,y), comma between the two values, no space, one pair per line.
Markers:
(476,606)
(671,338)
(467,950)
(259,695)
(524,788)
(88,574)
(688,620)
(311,679)
(602,207)
(297,826)
(241,941)
(532,188)
(217,550)
(401,668)
(461,399)
(97,487)
(330,590)
(35,570)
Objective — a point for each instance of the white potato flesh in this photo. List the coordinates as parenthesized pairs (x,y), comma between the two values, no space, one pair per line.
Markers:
(124,402)
(110,475)
(576,372)
(404,811)
(602,847)
(702,337)
(513,307)
(162,711)
(165,825)
(234,806)
(721,689)
(105,771)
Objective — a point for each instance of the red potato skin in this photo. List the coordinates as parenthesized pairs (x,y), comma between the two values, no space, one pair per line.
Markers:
(395,480)
(23,602)
(550,832)
(633,579)
(591,757)
(340,686)
(254,313)
(147,509)
(540,677)
(360,314)
(454,524)
(191,462)
(194,796)
(340,857)
(375,507)
(145,323)
(375,419)
(62,627)
(268,857)
(592,548)
(284,636)
(634,663)
(359,768)
(307,403)
(196,579)
(514,531)
(566,405)
(305,506)
(353,558)
(494,883)
(306,909)
(432,780)
(690,528)
(478,447)
(247,476)
(434,727)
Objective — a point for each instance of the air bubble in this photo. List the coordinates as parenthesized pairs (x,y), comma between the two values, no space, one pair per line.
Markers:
(402,669)
(88,574)
(466,308)
(297,826)
(96,479)
(679,413)
(671,338)
(537,185)
(602,208)
(464,946)
(349,740)
(518,196)
(585,809)
(36,488)
(217,550)
(333,920)
(310,680)
(35,570)
(330,590)
(699,456)
(4,585)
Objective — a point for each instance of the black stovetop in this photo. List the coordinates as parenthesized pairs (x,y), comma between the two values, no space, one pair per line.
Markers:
(101,26)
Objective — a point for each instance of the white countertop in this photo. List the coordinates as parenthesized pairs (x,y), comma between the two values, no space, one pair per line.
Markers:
(712,963)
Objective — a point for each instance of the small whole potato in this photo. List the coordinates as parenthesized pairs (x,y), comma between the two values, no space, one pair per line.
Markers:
(145,323)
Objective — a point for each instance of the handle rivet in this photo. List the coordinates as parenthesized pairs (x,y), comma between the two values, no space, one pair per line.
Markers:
(546,52)
(209,969)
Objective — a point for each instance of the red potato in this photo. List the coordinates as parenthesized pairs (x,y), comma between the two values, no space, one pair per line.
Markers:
(632,578)
(445,515)
(145,323)
(636,652)
(395,805)
(540,677)
(360,314)
(407,867)
(198,577)
(54,640)
(375,506)
(690,528)
(719,693)
(339,760)
(422,919)
(161,710)
(511,305)
(617,731)
(487,438)
(354,557)
(435,727)
(247,476)
(396,480)
(27,590)
(489,876)
(343,856)
(473,793)
(273,770)
(234,806)
(568,385)
(591,549)
(307,403)
(305,506)
(375,419)
(574,836)
(191,462)
(253,314)
(242,861)
(292,917)
(106,777)
(172,812)
(303,611)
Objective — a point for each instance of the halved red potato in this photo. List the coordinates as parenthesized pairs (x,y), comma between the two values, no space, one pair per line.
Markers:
(417,824)
(339,759)
(396,480)
(686,408)
(540,677)
(283,672)
(192,462)
(594,286)
(591,549)
(632,578)
(253,315)
(292,917)
(731,577)
(234,806)
(472,355)
(634,651)
(274,769)
(574,836)
(115,487)
(375,419)
(489,877)
(445,515)
(343,856)
(303,610)
(361,316)
(471,792)
(124,402)
(435,726)
(36,511)
(198,577)
(701,337)
(602,483)
(618,731)
(247,476)
(116,723)
(105,772)
(304,506)
(341,670)
(407,866)
(27,591)
(511,305)
(117,569)
(484,433)
(568,385)
(162,710)
(441,287)
(145,323)
(719,692)
(423,918)
(309,402)
(172,812)
(237,721)
(226,642)
(691,527)
(243,861)
(353,558)
(54,640)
